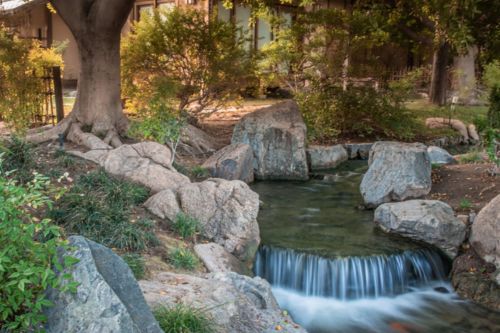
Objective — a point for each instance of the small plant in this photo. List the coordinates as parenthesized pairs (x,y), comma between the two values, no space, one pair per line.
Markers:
(28,254)
(185,225)
(64,159)
(465,204)
(136,264)
(199,172)
(183,319)
(183,259)
(99,207)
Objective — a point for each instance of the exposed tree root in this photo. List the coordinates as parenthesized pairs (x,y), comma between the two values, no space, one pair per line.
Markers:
(72,131)
(88,140)
(52,133)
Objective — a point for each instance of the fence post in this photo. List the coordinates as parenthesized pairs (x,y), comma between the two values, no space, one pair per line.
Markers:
(58,93)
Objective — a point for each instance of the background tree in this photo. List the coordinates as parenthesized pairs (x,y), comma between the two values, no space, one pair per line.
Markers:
(96,26)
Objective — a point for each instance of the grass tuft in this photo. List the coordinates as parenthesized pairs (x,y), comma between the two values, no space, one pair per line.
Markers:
(18,157)
(183,319)
(185,225)
(183,259)
(136,264)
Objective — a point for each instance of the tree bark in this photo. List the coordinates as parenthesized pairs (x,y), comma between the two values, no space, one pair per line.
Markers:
(96,26)
(439,78)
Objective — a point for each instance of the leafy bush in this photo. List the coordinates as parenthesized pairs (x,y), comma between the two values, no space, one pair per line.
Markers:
(361,111)
(99,207)
(186,226)
(18,158)
(27,255)
(194,61)
(183,319)
(160,123)
(21,93)
(183,259)
(136,264)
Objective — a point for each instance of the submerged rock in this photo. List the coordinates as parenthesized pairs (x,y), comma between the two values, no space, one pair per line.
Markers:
(233,162)
(227,211)
(235,303)
(485,234)
(429,221)
(277,135)
(108,298)
(397,171)
(440,156)
(326,157)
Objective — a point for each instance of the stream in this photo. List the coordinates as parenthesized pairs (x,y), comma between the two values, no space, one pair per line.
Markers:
(334,272)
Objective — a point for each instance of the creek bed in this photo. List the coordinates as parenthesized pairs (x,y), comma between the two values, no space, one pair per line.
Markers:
(334,272)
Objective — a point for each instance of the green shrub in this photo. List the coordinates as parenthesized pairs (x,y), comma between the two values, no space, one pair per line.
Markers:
(136,264)
(27,255)
(99,207)
(21,94)
(183,259)
(195,60)
(183,319)
(186,226)
(357,111)
(18,158)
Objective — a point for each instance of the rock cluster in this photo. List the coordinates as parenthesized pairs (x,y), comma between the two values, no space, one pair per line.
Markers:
(227,211)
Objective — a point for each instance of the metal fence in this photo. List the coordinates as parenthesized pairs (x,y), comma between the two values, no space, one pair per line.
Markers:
(50,110)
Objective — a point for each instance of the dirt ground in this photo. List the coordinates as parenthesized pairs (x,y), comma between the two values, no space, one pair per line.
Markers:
(464,185)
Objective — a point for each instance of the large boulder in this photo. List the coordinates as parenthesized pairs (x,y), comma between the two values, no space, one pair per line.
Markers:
(194,141)
(326,157)
(440,156)
(277,135)
(226,210)
(235,303)
(108,298)
(485,234)
(216,259)
(429,221)
(233,162)
(146,163)
(397,171)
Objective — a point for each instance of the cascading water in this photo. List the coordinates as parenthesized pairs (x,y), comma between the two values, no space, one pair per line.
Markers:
(335,273)
(348,278)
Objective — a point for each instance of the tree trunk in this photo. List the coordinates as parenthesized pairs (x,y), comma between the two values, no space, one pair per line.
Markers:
(439,78)
(98,105)
(96,26)
(464,76)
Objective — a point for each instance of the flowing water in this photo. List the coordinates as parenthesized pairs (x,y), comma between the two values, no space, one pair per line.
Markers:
(334,272)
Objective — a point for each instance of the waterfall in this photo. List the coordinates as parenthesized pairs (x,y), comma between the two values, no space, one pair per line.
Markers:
(348,278)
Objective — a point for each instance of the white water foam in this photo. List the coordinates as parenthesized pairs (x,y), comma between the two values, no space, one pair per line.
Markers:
(416,311)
